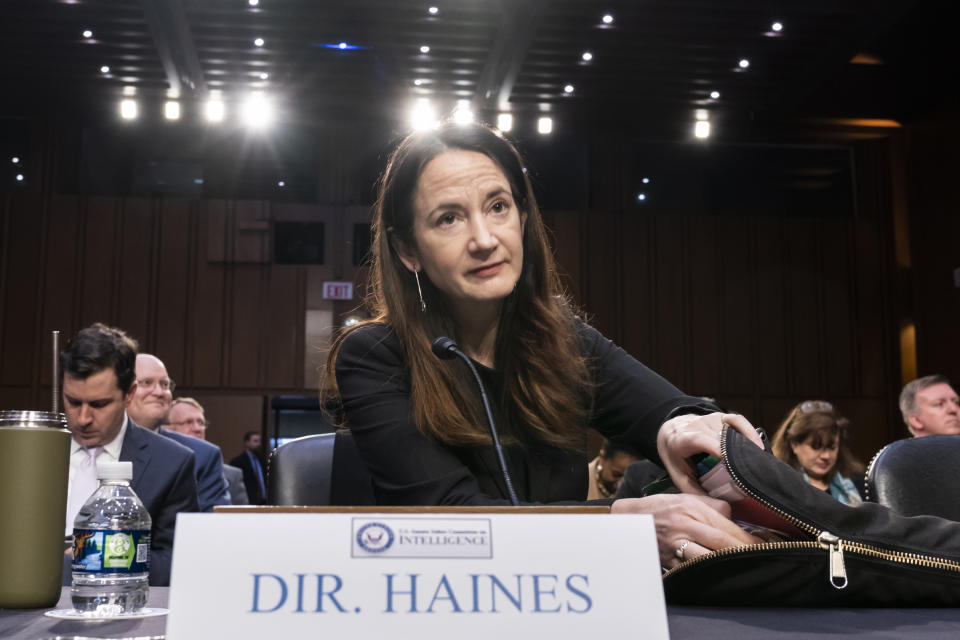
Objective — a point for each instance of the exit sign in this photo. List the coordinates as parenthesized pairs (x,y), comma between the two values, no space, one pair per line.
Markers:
(338,291)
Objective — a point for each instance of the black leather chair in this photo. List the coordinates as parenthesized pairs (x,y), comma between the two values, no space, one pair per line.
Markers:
(917,476)
(319,470)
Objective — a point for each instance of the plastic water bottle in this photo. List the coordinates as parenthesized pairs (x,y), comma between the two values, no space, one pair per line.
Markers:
(111,547)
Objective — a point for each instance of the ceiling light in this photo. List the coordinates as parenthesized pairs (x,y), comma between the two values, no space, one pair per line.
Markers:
(258,42)
(104,69)
(645,181)
(15,159)
(253,3)
(87,33)
(702,114)
(422,115)
(641,197)
(568,88)
(715,95)
(171,110)
(19,177)
(129,90)
(744,63)
(281,183)
(257,111)
(264,75)
(424,49)
(777,26)
(505,122)
(587,56)
(463,114)
(214,110)
(433,11)
(418,82)
(128,109)
(544,125)
(702,129)
(607,18)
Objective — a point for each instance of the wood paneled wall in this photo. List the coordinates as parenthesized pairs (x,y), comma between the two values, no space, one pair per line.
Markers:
(760,313)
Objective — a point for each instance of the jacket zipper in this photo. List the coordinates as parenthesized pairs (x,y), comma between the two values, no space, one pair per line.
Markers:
(824,540)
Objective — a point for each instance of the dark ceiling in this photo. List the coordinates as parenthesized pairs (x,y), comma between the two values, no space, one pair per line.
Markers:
(658,60)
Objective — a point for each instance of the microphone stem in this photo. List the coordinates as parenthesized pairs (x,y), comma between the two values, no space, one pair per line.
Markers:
(493,430)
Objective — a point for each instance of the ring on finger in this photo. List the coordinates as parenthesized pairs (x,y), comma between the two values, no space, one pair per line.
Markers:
(681,549)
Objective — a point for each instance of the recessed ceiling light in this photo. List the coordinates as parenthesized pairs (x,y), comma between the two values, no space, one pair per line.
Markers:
(645,181)
(586,56)
(744,63)
(424,49)
(568,88)
(171,110)
(215,110)
(253,3)
(607,18)
(19,177)
(15,159)
(258,42)
(257,111)
(418,82)
(544,125)
(422,115)
(104,69)
(281,183)
(641,197)
(505,122)
(128,109)
(87,33)
(702,129)
(715,95)
(433,11)
(264,75)
(777,26)
(342,46)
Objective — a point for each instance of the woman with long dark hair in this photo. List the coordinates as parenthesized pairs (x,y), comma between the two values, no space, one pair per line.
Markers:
(460,250)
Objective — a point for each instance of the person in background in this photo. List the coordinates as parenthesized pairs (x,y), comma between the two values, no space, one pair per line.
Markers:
(460,250)
(253,467)
(150,408)
(605,472)
(98,381)
(930,406)
(187,417)
(812,439)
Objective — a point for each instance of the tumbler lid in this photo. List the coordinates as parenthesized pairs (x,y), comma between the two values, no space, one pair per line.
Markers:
(121,470)
(33,419)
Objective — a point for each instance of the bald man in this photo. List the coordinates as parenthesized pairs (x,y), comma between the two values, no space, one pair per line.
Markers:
(150,408)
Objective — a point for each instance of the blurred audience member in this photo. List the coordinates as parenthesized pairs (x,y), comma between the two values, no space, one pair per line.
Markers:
(186,416)
(252,464)
(150,408)
(238,490)
(813,440)
(607,469)
(930,407)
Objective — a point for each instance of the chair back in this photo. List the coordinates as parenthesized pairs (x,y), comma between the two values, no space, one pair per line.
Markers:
(917,476)
(319,470)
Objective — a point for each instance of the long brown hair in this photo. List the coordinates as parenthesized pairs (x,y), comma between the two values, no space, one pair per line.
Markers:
(821,422)
(546,392)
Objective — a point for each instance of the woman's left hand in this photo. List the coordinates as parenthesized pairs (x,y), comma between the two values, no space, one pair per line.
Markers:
(688,435)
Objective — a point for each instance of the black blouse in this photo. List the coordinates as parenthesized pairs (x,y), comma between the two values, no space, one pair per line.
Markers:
(630,403)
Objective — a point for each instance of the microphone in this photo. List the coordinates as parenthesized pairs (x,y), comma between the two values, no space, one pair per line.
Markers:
(446,349)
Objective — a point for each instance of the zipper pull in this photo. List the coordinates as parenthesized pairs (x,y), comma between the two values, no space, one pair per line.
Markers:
(838,572)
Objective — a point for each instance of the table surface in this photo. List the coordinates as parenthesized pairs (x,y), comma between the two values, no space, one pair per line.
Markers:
(685,622)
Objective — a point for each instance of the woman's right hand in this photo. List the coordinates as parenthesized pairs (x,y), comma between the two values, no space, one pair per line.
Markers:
(687,525)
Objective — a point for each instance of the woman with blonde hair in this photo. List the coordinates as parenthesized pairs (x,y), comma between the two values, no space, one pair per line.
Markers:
(812,439)
(459,250)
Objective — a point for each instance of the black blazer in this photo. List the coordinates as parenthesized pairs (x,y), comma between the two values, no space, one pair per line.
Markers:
(250,480)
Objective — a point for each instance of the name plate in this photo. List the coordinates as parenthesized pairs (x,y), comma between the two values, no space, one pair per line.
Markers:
(404,575)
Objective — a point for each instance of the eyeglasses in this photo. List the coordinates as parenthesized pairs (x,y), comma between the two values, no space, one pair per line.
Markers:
(166,384)
(811,406)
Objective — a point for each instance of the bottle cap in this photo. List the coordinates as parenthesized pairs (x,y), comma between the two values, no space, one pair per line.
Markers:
(115,470)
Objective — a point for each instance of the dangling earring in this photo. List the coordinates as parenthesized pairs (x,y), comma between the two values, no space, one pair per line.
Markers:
(423,305)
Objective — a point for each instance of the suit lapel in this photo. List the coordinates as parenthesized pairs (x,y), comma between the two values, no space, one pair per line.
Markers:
(136,449)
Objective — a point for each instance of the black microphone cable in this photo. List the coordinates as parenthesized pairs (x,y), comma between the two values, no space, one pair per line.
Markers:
(446,349)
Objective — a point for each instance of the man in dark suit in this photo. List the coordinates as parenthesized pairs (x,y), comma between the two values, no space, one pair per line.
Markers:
(254,473)
(150,407)
(98,382)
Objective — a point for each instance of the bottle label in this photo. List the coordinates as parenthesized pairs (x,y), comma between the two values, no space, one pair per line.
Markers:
(111,551)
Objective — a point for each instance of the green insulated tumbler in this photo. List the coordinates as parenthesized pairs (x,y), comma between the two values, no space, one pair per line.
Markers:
(34,467)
